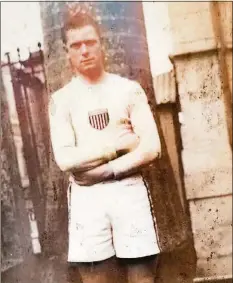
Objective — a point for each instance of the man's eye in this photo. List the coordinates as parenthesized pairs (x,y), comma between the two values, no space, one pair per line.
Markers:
(90,42)
(76,46)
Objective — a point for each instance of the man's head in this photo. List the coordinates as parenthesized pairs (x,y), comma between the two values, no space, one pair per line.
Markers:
(83,43)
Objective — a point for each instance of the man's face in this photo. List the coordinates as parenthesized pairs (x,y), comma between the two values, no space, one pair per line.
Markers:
(84,49)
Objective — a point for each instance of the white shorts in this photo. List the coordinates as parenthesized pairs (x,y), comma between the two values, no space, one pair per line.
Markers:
(111,218)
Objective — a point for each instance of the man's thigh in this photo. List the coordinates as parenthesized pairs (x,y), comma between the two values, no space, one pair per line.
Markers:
(106,271)
(90,236)
(133,229)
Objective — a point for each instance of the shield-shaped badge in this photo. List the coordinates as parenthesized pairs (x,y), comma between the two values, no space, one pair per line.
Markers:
(99,118)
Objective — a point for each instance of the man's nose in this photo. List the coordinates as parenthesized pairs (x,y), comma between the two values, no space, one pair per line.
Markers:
(84,49)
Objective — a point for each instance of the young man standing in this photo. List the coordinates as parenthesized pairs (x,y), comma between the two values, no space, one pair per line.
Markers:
(103,133)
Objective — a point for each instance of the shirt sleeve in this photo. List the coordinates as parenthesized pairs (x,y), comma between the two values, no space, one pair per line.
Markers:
(61,130)
(145,127)
(139,111)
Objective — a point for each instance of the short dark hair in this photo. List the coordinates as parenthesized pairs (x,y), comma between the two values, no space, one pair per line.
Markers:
(79,20)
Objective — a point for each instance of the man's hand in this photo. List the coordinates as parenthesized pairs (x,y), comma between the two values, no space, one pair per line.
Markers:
(94,176)
(126,143)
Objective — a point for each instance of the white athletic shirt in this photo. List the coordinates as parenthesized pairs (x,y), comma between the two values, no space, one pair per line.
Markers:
(91,116)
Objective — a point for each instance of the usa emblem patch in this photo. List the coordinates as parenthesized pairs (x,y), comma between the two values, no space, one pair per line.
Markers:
(99,119)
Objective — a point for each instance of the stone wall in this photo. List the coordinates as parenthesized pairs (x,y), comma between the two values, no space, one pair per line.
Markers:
(205,93)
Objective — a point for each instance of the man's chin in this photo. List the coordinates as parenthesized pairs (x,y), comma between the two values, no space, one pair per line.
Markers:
(89,70)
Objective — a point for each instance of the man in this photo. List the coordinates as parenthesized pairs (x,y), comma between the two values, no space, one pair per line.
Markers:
(103,133)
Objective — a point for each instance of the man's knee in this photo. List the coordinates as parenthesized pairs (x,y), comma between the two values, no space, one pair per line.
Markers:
(141,270)
(106,271)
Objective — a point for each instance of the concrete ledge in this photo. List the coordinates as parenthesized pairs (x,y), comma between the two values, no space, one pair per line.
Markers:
(214,279)
(165,88)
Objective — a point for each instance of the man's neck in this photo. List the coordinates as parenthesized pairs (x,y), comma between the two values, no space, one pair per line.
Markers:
(93,77)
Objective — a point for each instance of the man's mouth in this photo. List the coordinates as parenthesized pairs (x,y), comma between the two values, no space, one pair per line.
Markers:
(86,61)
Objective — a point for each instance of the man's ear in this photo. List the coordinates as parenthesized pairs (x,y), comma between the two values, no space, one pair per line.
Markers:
(103,49)
(65,47)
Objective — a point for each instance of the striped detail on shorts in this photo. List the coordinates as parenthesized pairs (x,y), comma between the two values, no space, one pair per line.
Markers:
(69,203)
(152,213)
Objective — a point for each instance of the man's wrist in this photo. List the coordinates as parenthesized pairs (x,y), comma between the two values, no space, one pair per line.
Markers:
(110,153)
(112,170)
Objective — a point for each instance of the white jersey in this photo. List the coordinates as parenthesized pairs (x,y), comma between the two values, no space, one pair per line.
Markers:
(86,115)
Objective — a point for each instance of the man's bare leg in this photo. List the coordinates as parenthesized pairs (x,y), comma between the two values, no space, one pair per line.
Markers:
(141,270)
(107,271)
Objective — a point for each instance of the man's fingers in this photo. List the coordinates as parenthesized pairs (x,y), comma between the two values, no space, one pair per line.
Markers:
(83,183)
(80,176)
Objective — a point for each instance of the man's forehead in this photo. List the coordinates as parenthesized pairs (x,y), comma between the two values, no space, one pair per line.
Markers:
(82,33)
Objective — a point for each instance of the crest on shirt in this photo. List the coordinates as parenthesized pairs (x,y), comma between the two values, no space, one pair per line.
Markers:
(99,119)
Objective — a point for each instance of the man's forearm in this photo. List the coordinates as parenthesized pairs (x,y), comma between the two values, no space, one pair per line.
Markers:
(135,160)
(83,159)
(93,176)
(123,166)
(119,168)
